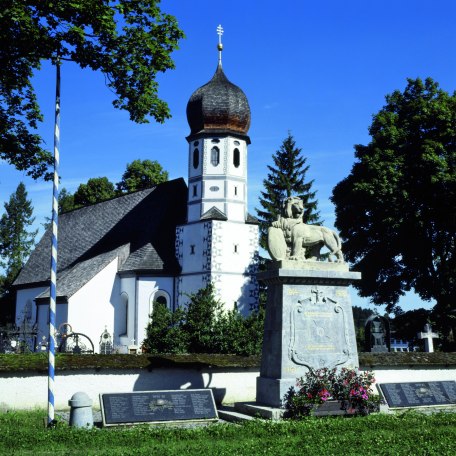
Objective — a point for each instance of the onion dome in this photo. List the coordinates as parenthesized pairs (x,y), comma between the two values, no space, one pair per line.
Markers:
(218,106)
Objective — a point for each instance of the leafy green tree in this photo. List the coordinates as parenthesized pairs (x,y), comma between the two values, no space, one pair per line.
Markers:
(66,201)
(395,210)
(142,174)
(96,190)
(16,240)
(407,325)
(130,42)
(360,316)
(286,178)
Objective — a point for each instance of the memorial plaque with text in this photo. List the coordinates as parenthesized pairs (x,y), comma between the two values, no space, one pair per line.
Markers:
(157,407)
(419,394)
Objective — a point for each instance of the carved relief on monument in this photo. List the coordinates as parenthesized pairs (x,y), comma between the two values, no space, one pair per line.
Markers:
(318,332)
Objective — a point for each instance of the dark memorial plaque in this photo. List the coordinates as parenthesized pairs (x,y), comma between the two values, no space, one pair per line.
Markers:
(157,406)
(419,394)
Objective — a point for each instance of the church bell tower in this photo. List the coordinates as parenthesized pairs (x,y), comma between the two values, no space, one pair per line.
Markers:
(219,242)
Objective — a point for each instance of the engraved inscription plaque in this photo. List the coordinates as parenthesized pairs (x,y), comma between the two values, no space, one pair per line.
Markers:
(419,394)
(157,406)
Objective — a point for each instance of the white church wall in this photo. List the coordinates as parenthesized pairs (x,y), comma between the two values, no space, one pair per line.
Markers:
(128,293)
(195,147)
(235,211)
(234,246)
(191,247)
(42,319)
(147,290)
(194,212)
(241,146)
(189,284)
(214,188)
(25,303)
(229,255)
(91,308)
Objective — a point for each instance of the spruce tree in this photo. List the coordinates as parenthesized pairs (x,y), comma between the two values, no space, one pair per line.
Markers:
(286,178)
(16,242)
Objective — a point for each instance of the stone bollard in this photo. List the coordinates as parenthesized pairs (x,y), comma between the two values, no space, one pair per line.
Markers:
(81,410)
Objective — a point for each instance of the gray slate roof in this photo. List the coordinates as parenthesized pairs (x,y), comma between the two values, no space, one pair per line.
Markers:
(90,237)
(144,259)
(74,278)
(214,214)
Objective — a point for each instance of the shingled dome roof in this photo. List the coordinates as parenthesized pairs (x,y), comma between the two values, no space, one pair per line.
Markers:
(218,105)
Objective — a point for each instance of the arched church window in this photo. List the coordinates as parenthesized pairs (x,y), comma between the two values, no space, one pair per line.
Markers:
(162,300)
(160,297)
(236,158)
(195,158)
(215,156)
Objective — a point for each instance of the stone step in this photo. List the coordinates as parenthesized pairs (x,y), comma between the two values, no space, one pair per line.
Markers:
(231,415)
(259,411)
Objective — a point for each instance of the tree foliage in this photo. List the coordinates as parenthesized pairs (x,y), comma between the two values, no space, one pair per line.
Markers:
(16,241)
(96,190)
(204,327)
(360,316)
(407,325)
(139,175)
(130,42)
(286,178)
(142,174)
(66,201)
(395,210)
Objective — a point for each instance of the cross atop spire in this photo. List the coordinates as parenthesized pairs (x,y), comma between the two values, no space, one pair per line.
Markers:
(220,45)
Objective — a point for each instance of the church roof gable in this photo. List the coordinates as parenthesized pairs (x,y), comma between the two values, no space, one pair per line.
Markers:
(74,278)
(147,216)
(214,214)
(148,259)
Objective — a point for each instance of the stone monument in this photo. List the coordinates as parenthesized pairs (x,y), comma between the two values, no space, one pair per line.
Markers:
(377,334)
(309,319)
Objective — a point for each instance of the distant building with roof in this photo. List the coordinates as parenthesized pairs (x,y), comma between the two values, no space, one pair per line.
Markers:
(116,258)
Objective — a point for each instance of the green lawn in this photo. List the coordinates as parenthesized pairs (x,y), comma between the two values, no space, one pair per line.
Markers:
(408,434)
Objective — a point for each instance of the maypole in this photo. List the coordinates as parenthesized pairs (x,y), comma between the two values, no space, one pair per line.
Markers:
(55,215)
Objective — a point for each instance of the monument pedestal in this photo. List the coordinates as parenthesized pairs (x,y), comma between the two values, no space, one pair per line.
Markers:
(308,324)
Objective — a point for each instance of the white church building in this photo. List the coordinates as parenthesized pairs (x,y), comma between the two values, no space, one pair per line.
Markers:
(116,258)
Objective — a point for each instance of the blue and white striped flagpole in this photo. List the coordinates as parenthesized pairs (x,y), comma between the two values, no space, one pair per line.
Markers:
(53,287)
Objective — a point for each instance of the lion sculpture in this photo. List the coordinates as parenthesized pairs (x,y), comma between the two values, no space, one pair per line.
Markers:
(290,238)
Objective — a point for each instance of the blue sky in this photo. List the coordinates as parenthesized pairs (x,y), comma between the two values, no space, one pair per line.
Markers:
(319,69)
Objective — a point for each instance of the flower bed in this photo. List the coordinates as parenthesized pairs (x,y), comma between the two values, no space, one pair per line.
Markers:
(351,388)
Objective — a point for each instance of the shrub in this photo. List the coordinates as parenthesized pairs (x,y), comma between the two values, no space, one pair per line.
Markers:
(348,386)
(204,327)
(164,332)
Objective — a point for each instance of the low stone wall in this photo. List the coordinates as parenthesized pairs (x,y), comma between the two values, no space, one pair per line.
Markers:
(29,390)
(233,379)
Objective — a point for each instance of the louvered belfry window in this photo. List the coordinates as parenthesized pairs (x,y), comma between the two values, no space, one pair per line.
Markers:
(215,156)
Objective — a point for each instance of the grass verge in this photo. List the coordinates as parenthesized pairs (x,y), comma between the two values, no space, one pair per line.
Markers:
(23,433)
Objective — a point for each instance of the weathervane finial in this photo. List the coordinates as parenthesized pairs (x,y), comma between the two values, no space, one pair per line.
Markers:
(220,45)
